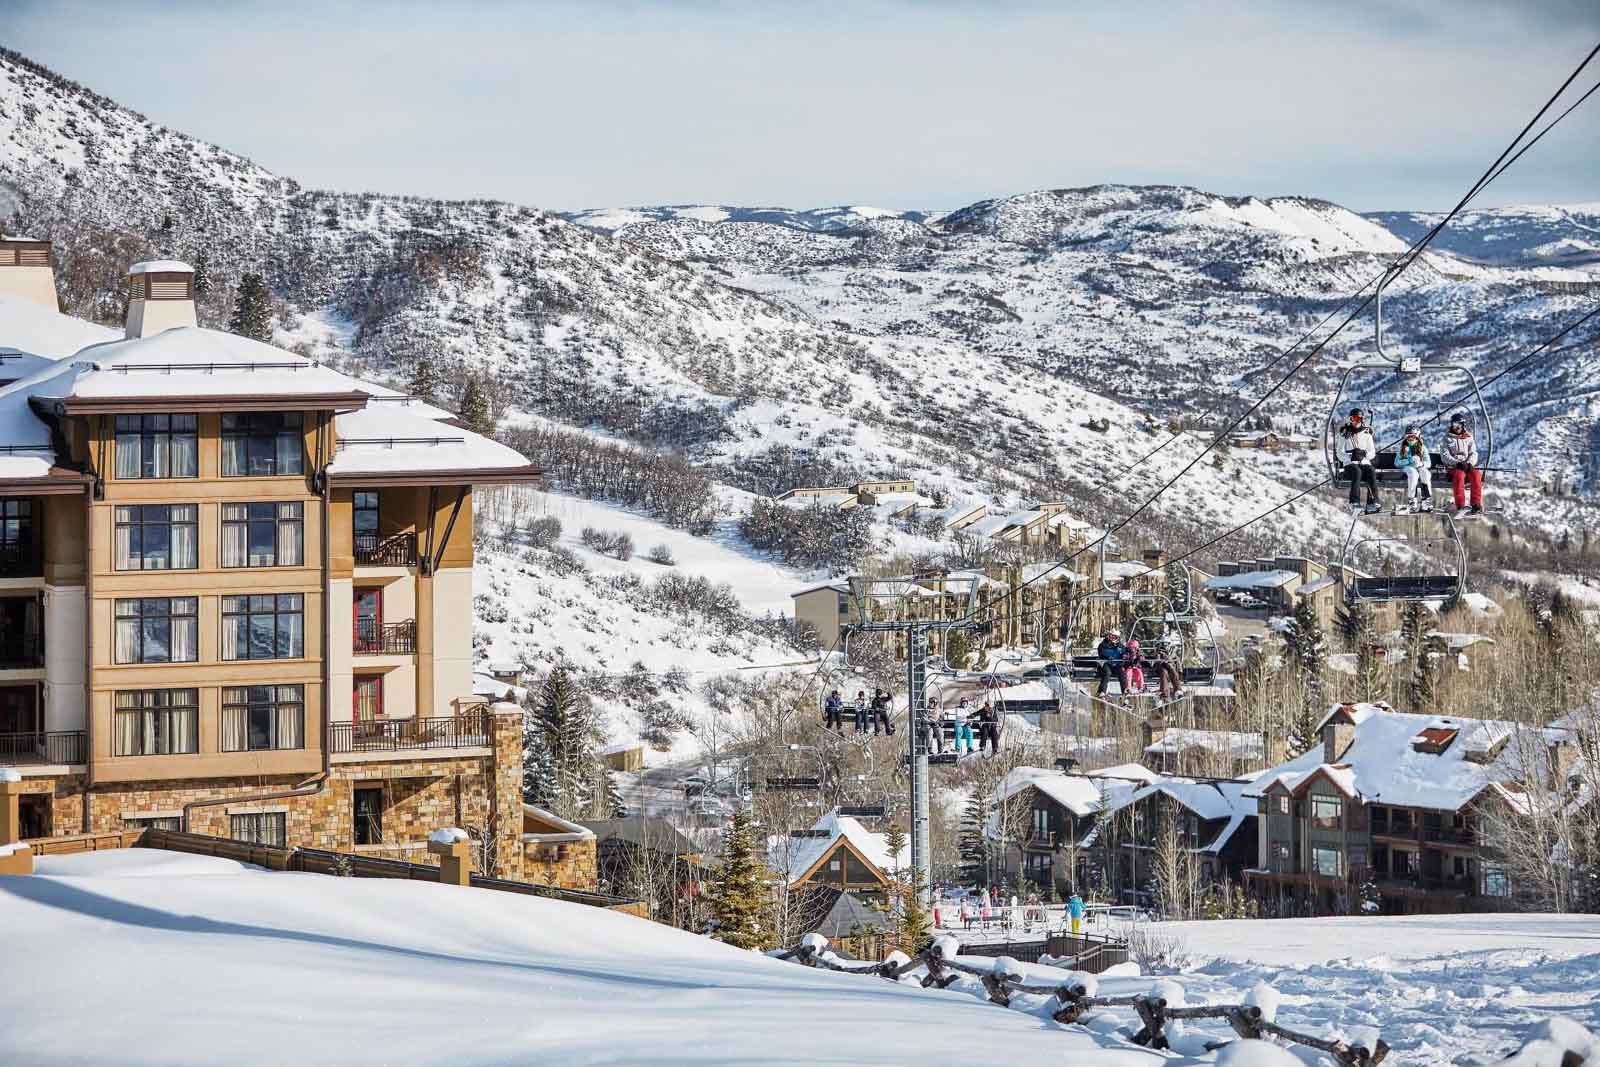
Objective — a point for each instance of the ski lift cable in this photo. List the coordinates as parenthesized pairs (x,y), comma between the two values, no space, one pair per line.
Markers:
(1591,313)
(1542,348)
(1498,167)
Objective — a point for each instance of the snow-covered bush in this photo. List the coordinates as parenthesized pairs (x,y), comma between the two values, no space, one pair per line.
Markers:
(1155,950)
(663,555)
(544,532)
(609,542)
(563,561)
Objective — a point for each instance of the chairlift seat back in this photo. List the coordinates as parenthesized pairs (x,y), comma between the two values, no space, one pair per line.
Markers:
(1385,588)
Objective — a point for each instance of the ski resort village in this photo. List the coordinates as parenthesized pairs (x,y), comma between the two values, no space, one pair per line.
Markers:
(1108,625)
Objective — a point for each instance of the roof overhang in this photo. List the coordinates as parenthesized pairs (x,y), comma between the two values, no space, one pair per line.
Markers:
(59,482)
(467,476)
(112,405)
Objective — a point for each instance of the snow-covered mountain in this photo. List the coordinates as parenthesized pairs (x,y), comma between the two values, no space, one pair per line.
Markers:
(969,349)
(1560,235)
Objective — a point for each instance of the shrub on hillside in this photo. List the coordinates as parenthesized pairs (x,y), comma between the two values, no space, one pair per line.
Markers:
(663,555)
(542,533)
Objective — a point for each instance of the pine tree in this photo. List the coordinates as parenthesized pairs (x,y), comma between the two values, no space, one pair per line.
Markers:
(252,309)
(475,407)
(1421,687)
(616,807)
(972,845)
(562,758)
(1354,622)
(1308,649)
(737,890)
(202,279)
(911,925)
(425,381)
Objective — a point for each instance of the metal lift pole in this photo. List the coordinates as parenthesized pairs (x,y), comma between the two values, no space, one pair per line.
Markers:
(917,739)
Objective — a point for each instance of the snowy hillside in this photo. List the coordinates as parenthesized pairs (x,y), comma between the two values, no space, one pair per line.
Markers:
(368,971)
(1560,235)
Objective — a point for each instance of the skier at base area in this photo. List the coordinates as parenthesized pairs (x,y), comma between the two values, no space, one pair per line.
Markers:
(1075,911)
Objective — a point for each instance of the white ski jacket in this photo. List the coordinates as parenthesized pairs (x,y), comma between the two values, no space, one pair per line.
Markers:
(1361,441)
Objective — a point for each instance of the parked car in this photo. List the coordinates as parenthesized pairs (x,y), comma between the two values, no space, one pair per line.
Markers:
(1250,603)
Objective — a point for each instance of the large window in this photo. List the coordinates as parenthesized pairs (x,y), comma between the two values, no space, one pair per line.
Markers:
(261,717)
(16,531)
(157,630)
(263,535)
(158,446)
(367,814)
(364,518)
(260,444)
(158,537)
(157,722)
(1326,812)
(1496,883)
(260,828)
(263,626)
(1325,861)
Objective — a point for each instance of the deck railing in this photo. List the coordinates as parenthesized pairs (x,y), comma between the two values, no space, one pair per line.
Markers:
(397,551)
(44,746)
(396,638)
(469,730)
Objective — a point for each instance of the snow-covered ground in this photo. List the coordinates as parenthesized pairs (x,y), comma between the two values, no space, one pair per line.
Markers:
(146,957)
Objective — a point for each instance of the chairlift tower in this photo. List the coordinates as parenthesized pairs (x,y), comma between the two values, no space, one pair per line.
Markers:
(893,605)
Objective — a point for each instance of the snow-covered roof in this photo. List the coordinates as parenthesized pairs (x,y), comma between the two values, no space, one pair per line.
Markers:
(564,828)
(161,266)
(391,438)
(838,585)
(1246,746)
(791,857)
(1317,586)
(1253,580)
(1081,794)
(1122,569)
(1383,765)
(38,331)
(485,685)
(1209,801)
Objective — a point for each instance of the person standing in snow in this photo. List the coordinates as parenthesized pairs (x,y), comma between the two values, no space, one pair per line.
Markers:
(1355,448)
(1110,652)
(1413,458)
(1075,911)
(833,712)
(963,739)
(1461,456)
(861,711)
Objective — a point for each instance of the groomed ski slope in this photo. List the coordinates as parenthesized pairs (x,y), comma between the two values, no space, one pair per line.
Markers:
(146,957)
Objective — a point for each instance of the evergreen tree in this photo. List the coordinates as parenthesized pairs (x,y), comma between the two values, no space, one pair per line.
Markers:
(616,807)
(425,381)
(1354,622)
(737,890)
(1308,650)
(911,925)
(1424,670)
(475,407)
(202,278)
(252,309)
(972,845)
(562,759)
(957,649)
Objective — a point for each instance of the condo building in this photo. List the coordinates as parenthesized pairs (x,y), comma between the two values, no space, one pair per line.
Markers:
(236,588)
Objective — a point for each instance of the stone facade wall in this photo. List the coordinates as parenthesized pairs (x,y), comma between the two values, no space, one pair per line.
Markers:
(419,796)
(570,864)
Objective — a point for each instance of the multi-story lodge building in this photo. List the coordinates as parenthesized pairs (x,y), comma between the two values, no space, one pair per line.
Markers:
(1396,806)
(236,587)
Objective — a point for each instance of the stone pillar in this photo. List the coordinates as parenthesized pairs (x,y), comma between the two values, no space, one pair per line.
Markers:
(505,783)
(455,860)
(15,858)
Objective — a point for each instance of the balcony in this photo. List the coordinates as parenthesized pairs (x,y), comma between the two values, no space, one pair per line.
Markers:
(19,561)
(48,748)
(21,652)
(395,639)
(467,730)
(1417,884)
(1449,835)
(397,551)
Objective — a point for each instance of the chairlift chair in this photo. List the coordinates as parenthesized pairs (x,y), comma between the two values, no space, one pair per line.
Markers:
(1428,581)
(1379,386)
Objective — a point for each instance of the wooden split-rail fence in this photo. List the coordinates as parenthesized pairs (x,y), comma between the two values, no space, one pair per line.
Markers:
(1074,1000)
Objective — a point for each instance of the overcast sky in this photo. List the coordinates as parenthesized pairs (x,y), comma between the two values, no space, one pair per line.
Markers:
(902,103)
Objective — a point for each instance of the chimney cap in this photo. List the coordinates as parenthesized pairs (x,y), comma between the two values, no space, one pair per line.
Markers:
(161,266)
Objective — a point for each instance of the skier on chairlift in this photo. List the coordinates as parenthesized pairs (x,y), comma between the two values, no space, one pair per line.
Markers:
(1356,449)
(1413,458)
(1461,456)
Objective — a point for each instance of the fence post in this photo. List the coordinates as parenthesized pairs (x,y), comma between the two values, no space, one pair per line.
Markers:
(455,856)
(15,857)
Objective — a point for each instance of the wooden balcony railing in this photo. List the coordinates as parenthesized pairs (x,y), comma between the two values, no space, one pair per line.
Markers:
(397,638)
(397,551)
